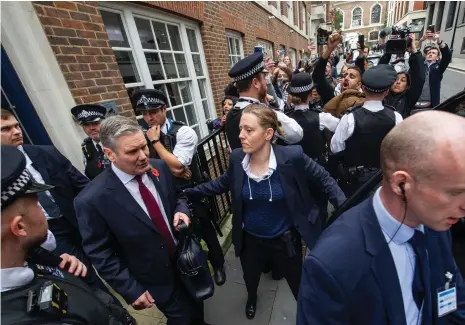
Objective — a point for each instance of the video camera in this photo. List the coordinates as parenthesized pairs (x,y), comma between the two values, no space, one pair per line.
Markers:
(398,41)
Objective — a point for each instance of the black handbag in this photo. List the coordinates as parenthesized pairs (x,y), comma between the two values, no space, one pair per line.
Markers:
(193,266)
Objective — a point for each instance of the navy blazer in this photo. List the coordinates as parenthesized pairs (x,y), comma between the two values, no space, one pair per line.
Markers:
(58,171)
(304,183)
(350,277)
(121,239)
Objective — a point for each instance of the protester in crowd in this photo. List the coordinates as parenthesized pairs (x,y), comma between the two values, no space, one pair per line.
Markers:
(273,192)
(388,260)
(328,73)
(252,86)
(227,104)
(281,78)
(89,117)
(24,228)
(352,79)
(132,240)
(287,61)
(346,100)
(406,90)
(176,144)
(435,66)
(231,90)
(358,136)
(48,166)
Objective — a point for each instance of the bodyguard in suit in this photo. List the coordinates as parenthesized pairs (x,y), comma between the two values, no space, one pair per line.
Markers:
(389,259)
(48,166)
(128,217)
(274,191)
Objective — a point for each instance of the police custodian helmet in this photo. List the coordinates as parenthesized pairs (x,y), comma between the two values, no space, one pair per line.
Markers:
(16,179)
(88,113)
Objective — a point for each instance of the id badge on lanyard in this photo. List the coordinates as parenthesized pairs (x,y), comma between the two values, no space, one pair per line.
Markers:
(447,297)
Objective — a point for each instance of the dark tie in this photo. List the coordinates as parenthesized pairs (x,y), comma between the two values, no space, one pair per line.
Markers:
(48,204)
(156,215)
(421,279)
(99,148)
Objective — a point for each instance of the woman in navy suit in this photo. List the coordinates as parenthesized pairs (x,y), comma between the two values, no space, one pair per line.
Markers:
(274,194)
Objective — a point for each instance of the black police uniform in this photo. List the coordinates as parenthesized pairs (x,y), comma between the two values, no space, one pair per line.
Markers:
(53,295)
(313,142)
(151,99)
(361,157)
(95,159)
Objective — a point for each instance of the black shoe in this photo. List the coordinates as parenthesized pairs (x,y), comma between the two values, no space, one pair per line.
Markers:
(250,309)
(220,276)
(276,276)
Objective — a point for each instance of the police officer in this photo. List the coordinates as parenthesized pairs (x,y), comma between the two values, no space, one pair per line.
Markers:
(251,85)
(312,119)
(41,292)
(89,117)
(358,136)
(176,144)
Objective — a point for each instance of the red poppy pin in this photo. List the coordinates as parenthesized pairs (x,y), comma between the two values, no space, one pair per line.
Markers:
(99,165)
(155,173)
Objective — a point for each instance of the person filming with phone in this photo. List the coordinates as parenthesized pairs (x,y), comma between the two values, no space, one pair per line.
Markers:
(437,59)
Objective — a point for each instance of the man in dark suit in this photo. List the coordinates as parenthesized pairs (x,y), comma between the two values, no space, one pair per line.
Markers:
(128,218)
(48,166)
(389,259)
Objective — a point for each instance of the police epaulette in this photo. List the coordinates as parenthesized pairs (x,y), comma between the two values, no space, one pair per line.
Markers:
(179,122)
(47,270)
(84,145)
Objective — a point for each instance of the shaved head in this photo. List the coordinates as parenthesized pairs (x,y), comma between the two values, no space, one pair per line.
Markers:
(416,144)
(423,166)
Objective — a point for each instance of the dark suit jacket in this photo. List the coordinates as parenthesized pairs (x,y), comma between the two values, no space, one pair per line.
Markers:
(58,171)
(302,181)
(350,276)
(121,240)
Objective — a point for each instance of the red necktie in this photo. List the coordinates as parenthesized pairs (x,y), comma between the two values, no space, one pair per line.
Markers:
(156,215)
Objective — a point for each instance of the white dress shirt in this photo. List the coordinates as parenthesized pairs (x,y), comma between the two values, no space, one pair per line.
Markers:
(272,165)
(327,121)
(186,142)
(346,126)
(293,132)
(402,254)
(37,177)
(130,182)
(50,243)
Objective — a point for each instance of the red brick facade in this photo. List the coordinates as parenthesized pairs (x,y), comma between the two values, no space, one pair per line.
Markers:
(78,37)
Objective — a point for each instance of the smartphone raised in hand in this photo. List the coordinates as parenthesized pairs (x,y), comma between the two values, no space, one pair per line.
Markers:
(431,29)
(361,41)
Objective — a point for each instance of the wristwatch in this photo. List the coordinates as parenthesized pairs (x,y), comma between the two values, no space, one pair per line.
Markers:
(155,141)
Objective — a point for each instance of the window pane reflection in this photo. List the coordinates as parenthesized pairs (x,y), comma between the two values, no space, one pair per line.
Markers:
(175,38)
(197,64)
(179,114)
(145,33)
(173,94)
(191,116)
(182,65)
(185,92)
(115,29)
(161,35)
(192,40)
(153,61)
(168,64)
(127,66)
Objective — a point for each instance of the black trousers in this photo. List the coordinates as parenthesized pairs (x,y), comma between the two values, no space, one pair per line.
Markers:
(68,240)
(208,234)
(181,308)
(258,252)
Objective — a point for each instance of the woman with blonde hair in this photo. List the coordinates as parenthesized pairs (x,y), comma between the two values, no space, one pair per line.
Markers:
(274,193)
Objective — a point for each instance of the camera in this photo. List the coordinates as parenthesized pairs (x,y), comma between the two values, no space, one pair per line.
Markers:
(398,41)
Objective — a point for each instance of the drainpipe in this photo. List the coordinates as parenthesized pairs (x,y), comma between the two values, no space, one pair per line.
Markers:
(453,33)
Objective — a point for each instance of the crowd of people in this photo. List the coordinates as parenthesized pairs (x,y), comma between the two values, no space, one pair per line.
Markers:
(299,138)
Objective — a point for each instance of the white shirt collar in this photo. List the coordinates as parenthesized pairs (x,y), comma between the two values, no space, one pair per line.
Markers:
(272,165)
(373,105)
(15,277)
(165,127)
(96,143)
(124,177)
(399,233)
(301,107)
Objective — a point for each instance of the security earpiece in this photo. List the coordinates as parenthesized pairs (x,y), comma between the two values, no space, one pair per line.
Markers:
(402,191)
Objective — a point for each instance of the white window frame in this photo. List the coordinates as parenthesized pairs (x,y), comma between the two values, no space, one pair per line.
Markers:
(290,12)
(237,36)
(304,20)
(293,55)
(267,45)
(297,4)
(371,11)
(278,8)
(352,18)
(128,13)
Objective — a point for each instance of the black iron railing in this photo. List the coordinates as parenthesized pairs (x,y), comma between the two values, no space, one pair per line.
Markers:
(213,153)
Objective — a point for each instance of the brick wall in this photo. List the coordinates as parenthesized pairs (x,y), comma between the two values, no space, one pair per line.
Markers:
(78,37)
(79,40)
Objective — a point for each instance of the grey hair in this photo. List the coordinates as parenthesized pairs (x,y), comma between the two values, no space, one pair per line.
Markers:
(114,127)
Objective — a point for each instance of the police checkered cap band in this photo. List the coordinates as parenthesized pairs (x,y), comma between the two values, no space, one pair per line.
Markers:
(85,114)
(259,67)
(303,89)
(376,90)
(19,186)
(147,101)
